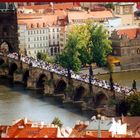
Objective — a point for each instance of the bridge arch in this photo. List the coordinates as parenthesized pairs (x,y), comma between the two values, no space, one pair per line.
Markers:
(60,86)
(79,93)
(25,76)
(41,80)
(101,99)
(12,68)
(2,61)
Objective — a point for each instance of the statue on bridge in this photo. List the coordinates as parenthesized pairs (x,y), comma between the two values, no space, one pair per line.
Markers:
(134,85)
(111,82)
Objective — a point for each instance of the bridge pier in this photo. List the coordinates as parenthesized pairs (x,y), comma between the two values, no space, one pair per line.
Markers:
(18,78)
(48,89)
(4,72)
(31,83)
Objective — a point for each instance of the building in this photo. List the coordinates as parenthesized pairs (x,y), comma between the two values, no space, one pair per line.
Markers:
(24,128)
(124,10)
(8,27)
(40,32)
(126,46)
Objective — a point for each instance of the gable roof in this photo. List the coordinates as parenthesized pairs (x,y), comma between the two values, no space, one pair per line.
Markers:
(131,33)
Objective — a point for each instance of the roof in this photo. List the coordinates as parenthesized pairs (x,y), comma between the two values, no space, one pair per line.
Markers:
(104,125)
(56,6)
(132,122)
(90,15)
(131,33)
(24,128)
(42,20)
(94,134)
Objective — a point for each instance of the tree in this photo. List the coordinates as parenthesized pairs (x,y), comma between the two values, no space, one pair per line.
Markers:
(101,45)
(69,58)
(83,34)
(45,57)
(57,121)
(109,6)
(133,104)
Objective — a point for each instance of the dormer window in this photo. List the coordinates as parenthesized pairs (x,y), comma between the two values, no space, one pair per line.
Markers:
(37,25)
(32,25)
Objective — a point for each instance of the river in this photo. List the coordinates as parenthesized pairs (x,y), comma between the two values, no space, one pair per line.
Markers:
(124,78)
(17,102)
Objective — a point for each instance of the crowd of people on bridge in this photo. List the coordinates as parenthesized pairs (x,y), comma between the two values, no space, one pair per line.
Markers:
(62,71)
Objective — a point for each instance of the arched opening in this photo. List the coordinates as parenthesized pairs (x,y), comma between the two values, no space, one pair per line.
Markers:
(25,76)
(101,100)
(12,69)
(41,81)
(79,94)
(1,61)
(60,87)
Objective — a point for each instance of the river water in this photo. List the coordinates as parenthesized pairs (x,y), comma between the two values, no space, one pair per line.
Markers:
(17,102)
(124,78)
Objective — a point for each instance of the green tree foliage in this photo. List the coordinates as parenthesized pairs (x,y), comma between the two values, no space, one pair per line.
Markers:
(110,6)
(133,104)
(45,57)
(69,58)
(57,121)
(101,45)
(87,43)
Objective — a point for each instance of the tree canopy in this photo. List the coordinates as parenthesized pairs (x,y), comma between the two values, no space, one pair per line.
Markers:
(133,104)
(57,121)
(45,57)
(87,43)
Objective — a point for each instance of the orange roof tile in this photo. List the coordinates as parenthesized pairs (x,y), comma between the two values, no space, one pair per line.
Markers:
(60,6)
(131,33)
(94,134)
(25,129)
(42,20)
(90,15)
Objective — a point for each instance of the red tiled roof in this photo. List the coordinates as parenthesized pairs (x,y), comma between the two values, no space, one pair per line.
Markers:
(23,129)
(131,33)
(60,6)
(93,15)
(42,20)
(94,134)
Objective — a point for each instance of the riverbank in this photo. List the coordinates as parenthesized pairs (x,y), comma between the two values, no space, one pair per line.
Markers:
(104,70)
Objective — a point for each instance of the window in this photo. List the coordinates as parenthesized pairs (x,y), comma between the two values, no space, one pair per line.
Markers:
(28,39)
(57,29)
(53,30)
(28,32)
(40,38)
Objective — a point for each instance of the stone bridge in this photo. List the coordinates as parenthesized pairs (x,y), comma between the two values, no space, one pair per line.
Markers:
(76,91)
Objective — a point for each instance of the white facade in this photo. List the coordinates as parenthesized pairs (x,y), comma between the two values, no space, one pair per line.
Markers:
(36,40)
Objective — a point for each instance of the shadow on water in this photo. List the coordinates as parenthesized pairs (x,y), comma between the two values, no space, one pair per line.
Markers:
(38,94)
